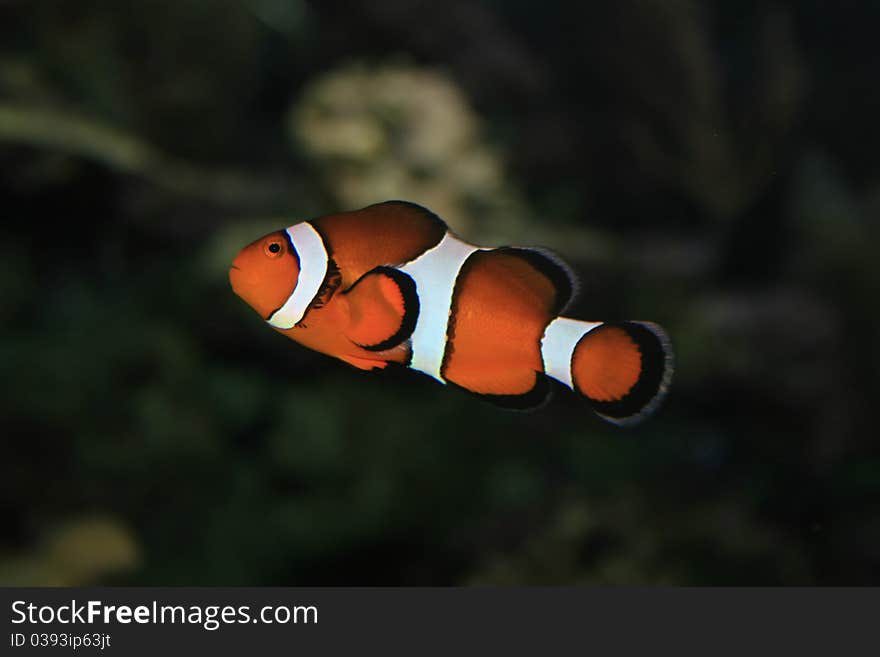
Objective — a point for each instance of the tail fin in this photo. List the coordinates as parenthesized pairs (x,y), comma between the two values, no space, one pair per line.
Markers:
(622,368)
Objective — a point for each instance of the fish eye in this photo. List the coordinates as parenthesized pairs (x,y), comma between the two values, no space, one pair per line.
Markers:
(273,249)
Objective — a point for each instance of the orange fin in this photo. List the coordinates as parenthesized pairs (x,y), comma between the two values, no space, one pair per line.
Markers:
(534,397)
(384,307)
(364,363)
(389,233)
(623,368)
(609,363)
(549,267)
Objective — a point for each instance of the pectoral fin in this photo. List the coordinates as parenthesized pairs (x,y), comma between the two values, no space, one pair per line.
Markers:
(383,308)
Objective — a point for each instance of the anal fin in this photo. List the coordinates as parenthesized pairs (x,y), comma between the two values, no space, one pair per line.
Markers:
(364,363)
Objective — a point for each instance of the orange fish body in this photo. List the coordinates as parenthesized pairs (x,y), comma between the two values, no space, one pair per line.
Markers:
(391,284)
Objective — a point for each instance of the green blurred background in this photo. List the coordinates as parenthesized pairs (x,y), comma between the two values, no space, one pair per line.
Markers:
(711,166)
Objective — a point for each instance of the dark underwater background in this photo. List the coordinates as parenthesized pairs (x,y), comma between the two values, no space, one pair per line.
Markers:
(711,166)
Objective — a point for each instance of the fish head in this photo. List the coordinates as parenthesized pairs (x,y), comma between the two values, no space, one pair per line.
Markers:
(265,273)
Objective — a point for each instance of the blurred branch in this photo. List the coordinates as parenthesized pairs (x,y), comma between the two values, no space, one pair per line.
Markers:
(123,153)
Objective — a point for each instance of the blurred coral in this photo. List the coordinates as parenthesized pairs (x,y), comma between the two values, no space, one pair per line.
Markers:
(81,552)
(401,131)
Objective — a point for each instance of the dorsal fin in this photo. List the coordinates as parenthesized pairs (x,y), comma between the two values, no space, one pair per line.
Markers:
(390,233)
(551,267)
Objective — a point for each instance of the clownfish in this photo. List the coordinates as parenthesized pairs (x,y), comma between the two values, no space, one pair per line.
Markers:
(391,284)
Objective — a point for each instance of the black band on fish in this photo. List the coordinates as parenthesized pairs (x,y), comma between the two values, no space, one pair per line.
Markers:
(331,283)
